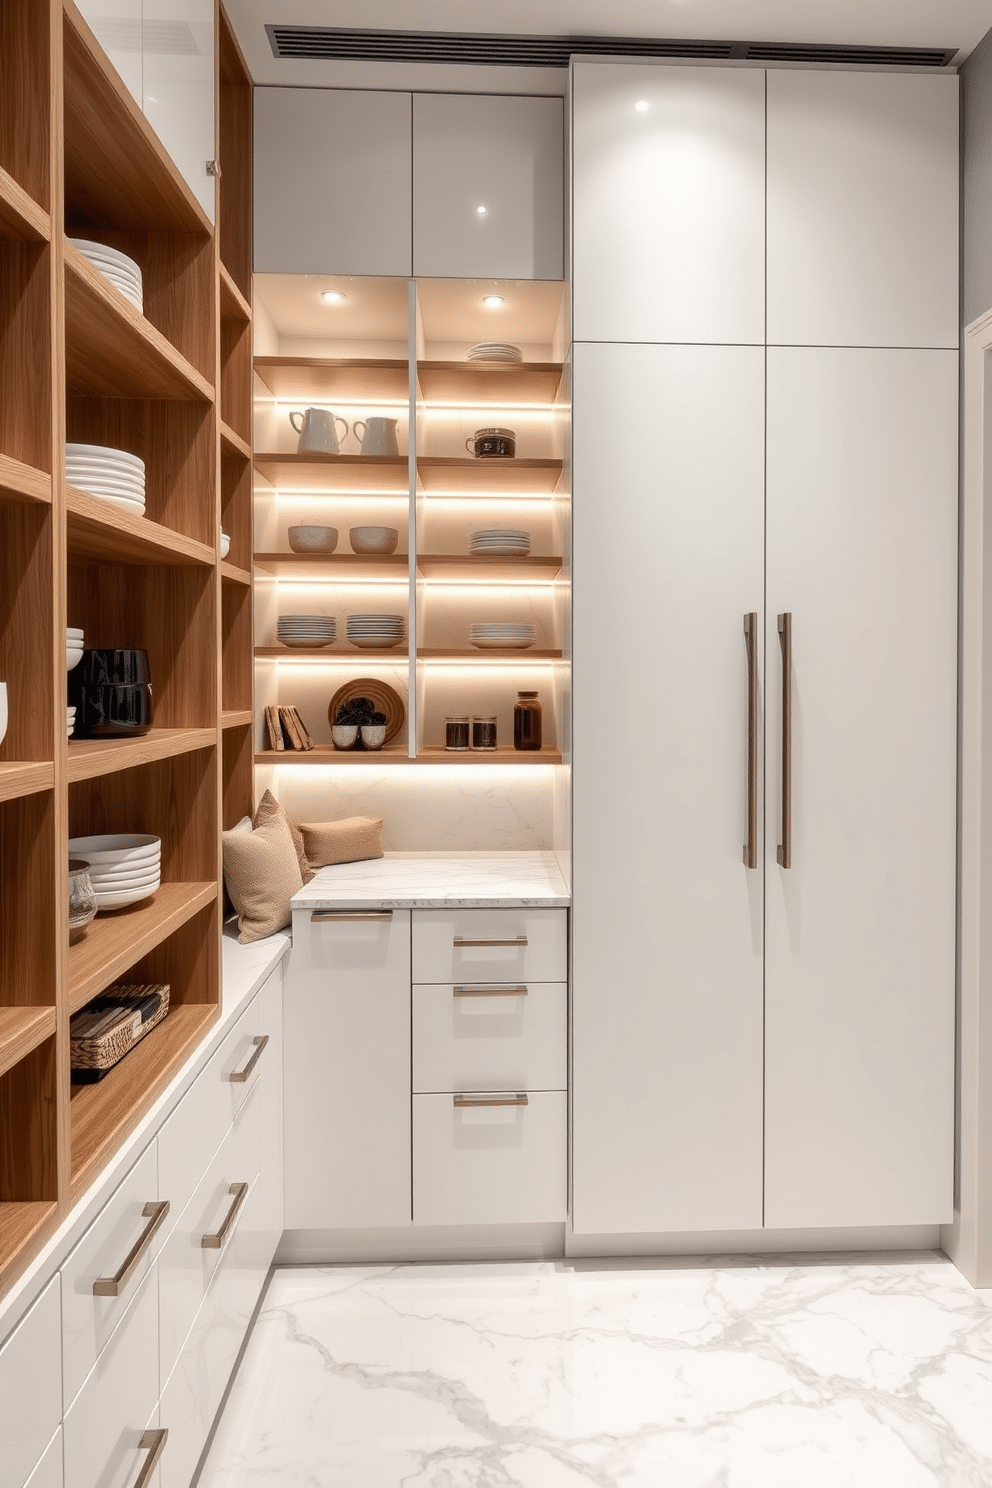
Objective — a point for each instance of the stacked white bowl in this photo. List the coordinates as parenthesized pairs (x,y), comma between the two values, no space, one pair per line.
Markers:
(375,632)
(502,635)
(307,632)
(495,351)
(123,273)
(225,544)
(112,474)
(123,868)
(500,542)
(70,722)
(73,647)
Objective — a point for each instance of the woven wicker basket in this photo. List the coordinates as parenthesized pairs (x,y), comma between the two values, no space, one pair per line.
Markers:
(109,1027)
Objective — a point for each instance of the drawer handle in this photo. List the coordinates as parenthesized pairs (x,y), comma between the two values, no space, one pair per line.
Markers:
(152,1442)
(461,941)
(469,1101)
(489,991)
(215,1240)
(238,1077)
(341,916)
(112,1286)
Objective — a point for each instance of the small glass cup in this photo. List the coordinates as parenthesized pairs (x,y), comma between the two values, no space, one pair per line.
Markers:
(457,733)
(484,732)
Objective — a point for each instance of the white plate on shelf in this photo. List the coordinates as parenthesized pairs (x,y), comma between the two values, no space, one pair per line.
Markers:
(121,901)
(375,643)
(86,480)
(104,452)
(95,250)
(118,847)
(136,508)
(123,885)
(494,645)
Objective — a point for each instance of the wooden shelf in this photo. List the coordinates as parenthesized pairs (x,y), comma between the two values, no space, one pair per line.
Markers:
(20,215)
(479,385)
(326,754)
(25,779)
(102,1115)
(236,718)
(436,754)
(22,1229)
(439,474)
(21,1030)
(116,941)
(337,472)
(108,533)
(112,351)
(20,482)
(334,652)
(322,565)
(320,378)
(117,172)
(486,654)
(232,445)
(484,569)
(89,758)
(231,574)
(233,305)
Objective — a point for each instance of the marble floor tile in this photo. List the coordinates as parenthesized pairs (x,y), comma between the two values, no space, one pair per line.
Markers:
(865,1373)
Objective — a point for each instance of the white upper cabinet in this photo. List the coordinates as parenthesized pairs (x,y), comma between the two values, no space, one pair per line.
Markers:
(862,209)
(177,53)
(488,187)
(332,182)
(116,24)
(669,203)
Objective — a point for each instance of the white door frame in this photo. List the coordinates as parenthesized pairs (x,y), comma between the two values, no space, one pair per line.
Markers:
(968,1240)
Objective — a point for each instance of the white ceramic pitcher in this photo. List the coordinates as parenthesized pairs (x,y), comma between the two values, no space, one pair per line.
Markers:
(378,436)
(318,431)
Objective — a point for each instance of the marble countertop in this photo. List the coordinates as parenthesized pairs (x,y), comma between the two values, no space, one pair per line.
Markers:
(437,880)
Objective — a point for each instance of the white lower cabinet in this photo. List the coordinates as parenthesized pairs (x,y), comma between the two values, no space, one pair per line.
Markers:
(48,1473)
(270,1177)
(30,1388)
(490,1036)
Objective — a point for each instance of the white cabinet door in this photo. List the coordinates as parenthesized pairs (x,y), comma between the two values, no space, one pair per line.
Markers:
(270,1177)
(347,1070)
(488,186)
(668,182)
(667,919)
(862,209)
(862,550)
(30,1387)
(177,44)
(48,1473)
(332,182)
(116,24)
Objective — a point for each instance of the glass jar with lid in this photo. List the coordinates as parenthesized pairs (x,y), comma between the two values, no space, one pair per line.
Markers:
(527,722)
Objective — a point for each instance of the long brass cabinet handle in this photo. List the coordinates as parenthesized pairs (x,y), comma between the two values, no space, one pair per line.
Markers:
(112,1286)
(785,640)
(238,1077)
(482,991)
(751,640)
(346,916)
(467,1102)
(216,1238)
(462,941)
(152,1442)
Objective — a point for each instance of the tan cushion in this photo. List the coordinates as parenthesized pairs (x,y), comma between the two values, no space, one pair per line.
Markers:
(262,874)
(347,841)
(269,807)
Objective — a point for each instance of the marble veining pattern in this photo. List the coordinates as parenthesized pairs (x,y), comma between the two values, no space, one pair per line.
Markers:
(439,881)
(863,1372)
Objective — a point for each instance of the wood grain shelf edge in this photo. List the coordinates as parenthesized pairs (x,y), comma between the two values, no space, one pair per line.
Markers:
(20,214)
(233,305)
(25,778)
(21,1030)
(89,758)
(112,943)
(232,443)
(23,482)
(236,718)
(99,530)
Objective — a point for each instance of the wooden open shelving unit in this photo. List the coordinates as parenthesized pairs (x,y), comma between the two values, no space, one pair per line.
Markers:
(172,384)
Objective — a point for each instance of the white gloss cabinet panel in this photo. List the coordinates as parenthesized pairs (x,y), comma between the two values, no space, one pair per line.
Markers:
(177,55)
(487,186)
(490,1164)
(862,209)
(500,1037)
(48,1473)
(332,182)
(116,24)
(30,1387)
(490,945)
(270,1180)
(862,550)
(347,1048)
(667,920)
(668,183)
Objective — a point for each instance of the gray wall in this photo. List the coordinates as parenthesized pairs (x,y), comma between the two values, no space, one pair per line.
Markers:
(976,100)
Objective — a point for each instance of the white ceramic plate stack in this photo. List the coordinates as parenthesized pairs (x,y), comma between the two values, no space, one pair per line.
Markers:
(73,647)
(225,544)
(495,351)
(112,474)
(500,542)
(307,632)
(375,632)
(123,869)
(70,722)
(501,635)
(123,273)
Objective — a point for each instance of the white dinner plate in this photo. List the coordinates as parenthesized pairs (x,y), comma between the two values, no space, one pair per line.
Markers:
(121,901)
(104,452)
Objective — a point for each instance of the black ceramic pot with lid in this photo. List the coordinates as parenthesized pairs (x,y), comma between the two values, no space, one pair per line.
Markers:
(112,691)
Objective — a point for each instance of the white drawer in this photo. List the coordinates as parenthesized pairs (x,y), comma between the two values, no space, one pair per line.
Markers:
(490,1036)
(197,1126)
(30,1388)
(105,1427)
(114,1255)
(455,946)
(489,1164)
(48,1473)
(186,1266)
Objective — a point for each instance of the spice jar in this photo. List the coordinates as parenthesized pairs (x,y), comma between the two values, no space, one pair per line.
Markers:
(456,733)
(484,732)
(527,721)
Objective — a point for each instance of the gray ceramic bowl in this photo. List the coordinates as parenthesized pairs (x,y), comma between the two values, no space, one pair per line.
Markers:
(313,539)
(373,539)
(343,735)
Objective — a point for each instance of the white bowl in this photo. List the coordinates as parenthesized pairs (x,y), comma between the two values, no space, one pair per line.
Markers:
(373,539)
(72,657)
(127,847)
(225,545)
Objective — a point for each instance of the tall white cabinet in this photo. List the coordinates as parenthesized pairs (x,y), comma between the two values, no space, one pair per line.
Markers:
(765,316)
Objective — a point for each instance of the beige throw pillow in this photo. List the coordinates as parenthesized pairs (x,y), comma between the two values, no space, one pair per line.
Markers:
(348,841)
(262,873)
(268,807)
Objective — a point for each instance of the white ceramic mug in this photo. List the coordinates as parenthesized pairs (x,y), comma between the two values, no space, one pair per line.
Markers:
(378,436)
(318,431)
(3,710)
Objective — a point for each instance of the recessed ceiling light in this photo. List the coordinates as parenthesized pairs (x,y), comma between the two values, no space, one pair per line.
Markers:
(332,297)
(642,105)
(480,211)
(492,302)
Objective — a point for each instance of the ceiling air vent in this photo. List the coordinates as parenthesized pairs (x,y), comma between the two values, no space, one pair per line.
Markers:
(166,38)
(337,44)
